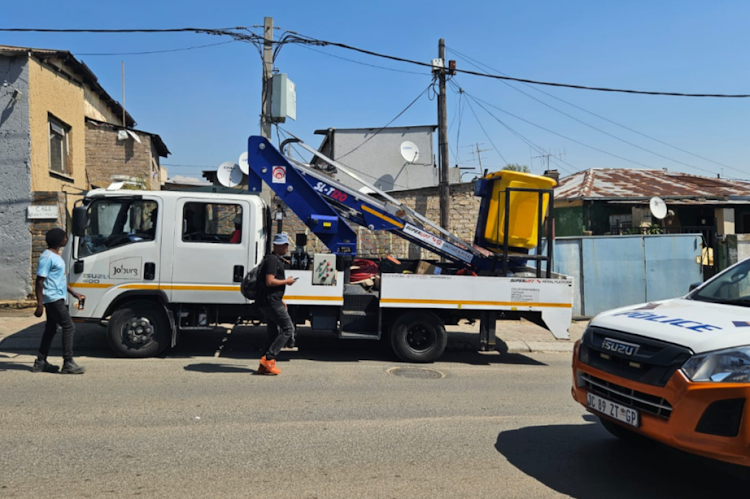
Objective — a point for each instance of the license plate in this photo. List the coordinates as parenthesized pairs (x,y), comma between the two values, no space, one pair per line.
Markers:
(613,410)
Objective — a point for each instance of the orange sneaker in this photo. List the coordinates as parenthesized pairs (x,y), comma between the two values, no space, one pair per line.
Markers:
(268,366)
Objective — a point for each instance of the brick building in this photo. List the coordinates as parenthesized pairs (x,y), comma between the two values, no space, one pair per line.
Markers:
(133,158)
(60,134)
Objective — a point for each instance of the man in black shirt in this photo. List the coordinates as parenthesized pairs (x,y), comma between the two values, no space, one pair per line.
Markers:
(270,301)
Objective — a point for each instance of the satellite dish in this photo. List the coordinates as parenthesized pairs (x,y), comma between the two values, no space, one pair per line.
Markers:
(658,207)
(229,174)
(409,151)
(243,163)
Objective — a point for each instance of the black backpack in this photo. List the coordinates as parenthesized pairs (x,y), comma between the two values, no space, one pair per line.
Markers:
(252,282)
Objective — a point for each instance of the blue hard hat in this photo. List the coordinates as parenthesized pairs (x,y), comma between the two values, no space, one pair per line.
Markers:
(280,239)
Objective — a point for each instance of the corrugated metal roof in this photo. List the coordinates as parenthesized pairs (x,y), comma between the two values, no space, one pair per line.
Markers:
(614,183)
(78,67)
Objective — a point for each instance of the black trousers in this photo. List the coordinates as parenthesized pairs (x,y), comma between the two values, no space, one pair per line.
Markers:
(280,328)
(57,313)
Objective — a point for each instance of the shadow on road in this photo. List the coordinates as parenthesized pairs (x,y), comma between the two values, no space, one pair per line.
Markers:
(247,342)
(14,366)
(585,462)
(218,368)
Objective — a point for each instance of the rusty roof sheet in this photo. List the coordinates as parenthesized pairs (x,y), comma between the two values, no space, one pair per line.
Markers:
(614,183)
(78,67)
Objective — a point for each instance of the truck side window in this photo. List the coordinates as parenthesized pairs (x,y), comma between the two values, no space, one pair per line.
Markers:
(212,223)
(117,222)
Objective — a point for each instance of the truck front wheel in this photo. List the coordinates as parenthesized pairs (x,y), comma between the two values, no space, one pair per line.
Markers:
(418,337)
(138,329)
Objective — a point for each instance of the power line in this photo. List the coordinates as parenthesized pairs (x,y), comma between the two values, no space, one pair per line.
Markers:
(161,51)
(477,64)
(294,37)
(477,100)
(485,133)
(126,30)
(528,142)
(605,132)
(364,63)
(304,39)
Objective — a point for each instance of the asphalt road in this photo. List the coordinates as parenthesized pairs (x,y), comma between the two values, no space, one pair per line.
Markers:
(335,424)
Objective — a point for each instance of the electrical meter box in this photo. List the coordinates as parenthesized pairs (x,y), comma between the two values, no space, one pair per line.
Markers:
(283,98)
(324,270)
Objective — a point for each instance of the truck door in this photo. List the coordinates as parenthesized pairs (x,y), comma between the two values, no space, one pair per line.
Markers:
(119,252)
(213,249)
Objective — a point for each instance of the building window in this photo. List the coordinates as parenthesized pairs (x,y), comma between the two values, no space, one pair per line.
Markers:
(59,147)
(212,223)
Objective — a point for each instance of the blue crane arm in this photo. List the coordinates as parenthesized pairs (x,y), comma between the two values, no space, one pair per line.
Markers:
(267,164)
(325,206)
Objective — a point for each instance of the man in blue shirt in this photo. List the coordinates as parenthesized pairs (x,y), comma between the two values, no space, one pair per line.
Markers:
(51,294)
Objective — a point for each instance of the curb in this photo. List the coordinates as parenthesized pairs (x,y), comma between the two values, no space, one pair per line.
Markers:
(539,346)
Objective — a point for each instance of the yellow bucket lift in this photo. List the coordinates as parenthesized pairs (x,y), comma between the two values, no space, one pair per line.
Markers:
(528,197)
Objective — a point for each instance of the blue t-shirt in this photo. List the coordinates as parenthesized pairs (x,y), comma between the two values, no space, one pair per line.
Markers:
(52,268)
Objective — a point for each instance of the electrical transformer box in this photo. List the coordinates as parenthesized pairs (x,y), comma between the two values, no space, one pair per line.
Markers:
(283,98)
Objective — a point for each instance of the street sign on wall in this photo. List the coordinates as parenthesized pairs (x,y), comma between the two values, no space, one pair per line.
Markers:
(43,212)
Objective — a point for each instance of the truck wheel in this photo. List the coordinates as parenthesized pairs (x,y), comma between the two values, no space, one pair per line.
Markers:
(418,337)
(628,436)
(138,329)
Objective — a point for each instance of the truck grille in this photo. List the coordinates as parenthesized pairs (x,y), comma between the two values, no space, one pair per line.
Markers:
(644,402)
(653,362)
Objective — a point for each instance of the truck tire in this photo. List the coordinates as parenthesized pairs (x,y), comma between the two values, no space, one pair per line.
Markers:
(622,433)
(139,329)
(418,337)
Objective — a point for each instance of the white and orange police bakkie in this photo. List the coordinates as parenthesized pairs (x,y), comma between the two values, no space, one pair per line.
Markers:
(676,371)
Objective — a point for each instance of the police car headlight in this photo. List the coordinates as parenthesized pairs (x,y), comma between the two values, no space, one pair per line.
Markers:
(723,366)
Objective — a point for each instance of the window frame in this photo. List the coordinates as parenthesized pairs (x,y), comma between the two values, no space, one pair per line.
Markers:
(204,223)
(123,201)
(59,128)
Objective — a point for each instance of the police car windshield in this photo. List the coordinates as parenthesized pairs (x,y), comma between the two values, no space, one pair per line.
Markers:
(731,287)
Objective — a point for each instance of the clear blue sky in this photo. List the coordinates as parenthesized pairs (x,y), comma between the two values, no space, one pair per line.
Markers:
(205,103)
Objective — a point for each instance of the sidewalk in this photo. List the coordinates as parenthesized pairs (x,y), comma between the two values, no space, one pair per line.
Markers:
(20,330)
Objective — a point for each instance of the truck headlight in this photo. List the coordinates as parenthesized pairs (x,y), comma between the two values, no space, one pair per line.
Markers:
(723,366)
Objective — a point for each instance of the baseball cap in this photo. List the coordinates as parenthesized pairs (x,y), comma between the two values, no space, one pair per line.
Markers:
(280,239)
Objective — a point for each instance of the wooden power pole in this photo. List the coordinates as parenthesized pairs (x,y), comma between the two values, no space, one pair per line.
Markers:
(443,140)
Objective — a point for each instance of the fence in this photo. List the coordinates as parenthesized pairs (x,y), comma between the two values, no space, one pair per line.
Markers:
(616,271)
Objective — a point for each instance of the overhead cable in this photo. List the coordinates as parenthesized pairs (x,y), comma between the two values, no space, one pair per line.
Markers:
(478,64)
(294,37)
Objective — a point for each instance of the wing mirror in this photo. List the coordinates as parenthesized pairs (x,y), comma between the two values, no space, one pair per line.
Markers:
(80,221)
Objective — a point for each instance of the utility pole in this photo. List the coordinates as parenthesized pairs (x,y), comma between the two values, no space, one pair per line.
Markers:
(265,117)
(265,110)
(478,152)
(443,139)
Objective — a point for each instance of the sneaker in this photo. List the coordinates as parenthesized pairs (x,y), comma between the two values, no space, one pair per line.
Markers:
(292,343)
(268,366)
(70,367)
(44,366)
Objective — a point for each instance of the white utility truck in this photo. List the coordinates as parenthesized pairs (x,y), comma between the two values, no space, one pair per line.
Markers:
(155,263)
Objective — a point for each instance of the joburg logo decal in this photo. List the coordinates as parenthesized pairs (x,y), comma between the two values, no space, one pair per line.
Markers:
(672,321)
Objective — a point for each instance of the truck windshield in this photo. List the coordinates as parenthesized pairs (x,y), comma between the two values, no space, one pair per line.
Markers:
(116,222)
(731,287)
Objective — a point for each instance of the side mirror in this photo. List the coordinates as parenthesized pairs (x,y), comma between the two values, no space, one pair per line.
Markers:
(80,221)
(694,286)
